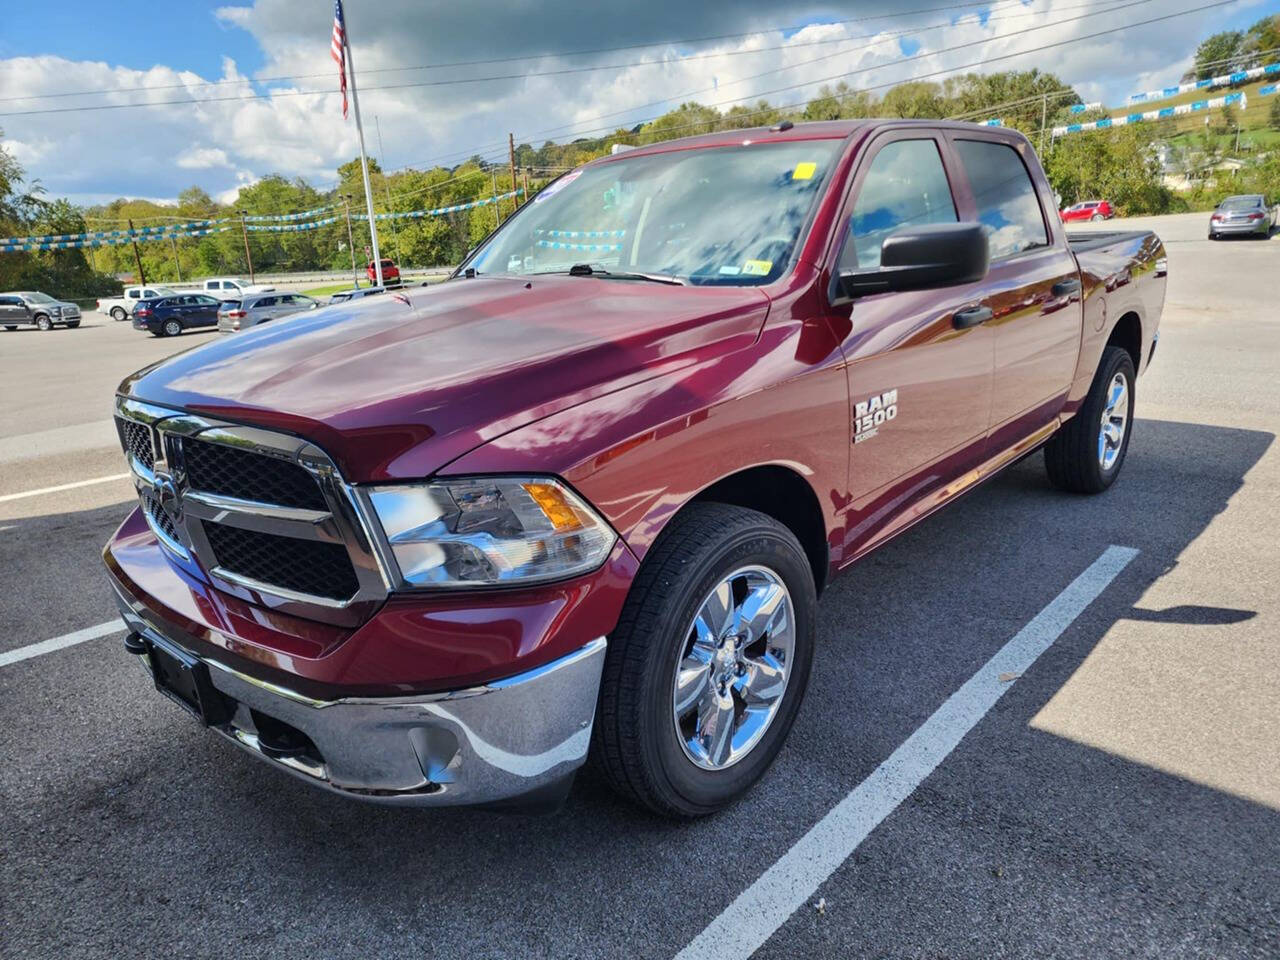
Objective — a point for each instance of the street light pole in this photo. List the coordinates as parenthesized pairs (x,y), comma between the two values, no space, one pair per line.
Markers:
(351,243)
(244,232)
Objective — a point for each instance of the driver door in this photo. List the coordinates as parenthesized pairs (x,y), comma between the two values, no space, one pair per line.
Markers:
(919,383)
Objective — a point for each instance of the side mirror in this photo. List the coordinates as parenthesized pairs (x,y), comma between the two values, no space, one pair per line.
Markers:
(920,258)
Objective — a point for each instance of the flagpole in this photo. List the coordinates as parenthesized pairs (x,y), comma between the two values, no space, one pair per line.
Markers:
(364,161)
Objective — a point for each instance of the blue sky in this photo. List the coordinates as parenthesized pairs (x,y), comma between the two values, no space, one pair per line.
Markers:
(131,33)
(155,151)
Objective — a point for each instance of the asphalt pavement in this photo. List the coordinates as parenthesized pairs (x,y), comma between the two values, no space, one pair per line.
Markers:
(1121,797)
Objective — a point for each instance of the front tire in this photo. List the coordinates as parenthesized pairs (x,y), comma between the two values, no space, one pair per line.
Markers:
(172,328)
(709,662)
(1086,455)
(44,323)
(117,313)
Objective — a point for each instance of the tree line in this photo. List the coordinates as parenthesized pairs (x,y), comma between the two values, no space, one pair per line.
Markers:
(1120,164)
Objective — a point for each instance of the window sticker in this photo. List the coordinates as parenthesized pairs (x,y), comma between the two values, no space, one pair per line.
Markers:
(804,171)
(730,271)
(757,268)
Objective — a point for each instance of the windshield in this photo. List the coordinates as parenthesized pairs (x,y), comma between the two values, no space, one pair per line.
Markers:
(38,298)
(723,215)
(1239,203)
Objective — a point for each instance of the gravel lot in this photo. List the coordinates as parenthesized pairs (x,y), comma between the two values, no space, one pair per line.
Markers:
(1122,798)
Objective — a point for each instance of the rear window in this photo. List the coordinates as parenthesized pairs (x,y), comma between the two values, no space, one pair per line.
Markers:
(1240,203)
(1005,197)
(230,305)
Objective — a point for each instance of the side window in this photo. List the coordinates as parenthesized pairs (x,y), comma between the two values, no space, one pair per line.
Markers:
(906,185)
(1005,197)
(266,302)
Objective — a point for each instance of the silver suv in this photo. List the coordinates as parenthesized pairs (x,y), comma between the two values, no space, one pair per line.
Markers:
(255,308)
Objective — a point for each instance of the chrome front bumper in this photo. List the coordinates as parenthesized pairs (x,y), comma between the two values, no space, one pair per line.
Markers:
(517,737)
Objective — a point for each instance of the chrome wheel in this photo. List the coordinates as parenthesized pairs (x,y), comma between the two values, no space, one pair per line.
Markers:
(732,673)
(1115,419)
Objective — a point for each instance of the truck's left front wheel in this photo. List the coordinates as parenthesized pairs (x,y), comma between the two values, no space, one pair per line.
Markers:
(710,659)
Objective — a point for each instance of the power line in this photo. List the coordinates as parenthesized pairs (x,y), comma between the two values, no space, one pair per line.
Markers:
(922,56)
(280,94)
(537,56)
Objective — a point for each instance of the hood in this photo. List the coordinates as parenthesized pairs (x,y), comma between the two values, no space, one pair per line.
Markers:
(398,385)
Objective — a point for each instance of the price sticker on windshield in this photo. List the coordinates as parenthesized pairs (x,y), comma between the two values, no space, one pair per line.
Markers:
(804,171)
(757,268)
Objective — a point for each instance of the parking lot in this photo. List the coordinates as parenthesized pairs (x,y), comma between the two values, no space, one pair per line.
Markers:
(1120,797)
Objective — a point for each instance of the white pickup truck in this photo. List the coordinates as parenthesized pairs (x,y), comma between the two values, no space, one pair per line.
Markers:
(230,288)
(121,308)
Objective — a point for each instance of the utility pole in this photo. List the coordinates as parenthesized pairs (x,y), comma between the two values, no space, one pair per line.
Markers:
(142,277)
(244,232)
(497,217)
(176,262)
(1044,116)
(351,243)
(395,234)
(526,184)
(511,153)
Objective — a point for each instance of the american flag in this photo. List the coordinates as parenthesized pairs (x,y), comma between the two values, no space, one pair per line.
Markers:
(338,50)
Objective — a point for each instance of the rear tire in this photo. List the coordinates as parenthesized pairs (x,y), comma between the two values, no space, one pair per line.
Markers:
(44,323)
(117,313)
(643,745)
(172,328)
(1085,456)
(1212,235)
(1096,217)
(11,326)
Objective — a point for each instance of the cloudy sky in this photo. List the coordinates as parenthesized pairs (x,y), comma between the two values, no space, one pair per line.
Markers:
(264,88)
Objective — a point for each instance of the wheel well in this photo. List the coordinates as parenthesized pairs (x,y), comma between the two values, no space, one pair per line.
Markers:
(783,494)
(1128,335)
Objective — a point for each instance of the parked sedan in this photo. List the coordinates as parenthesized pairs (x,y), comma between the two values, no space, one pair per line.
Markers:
(1247,214)
(37,309)
(169,316)
(257,308)
(1088,210)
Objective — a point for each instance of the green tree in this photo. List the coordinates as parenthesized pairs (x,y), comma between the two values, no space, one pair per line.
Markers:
(1118,164)
(1216,55)
(1273,114)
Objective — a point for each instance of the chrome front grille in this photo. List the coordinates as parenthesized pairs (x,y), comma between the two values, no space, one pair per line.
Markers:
(232,472)
(136,438)
(264,515)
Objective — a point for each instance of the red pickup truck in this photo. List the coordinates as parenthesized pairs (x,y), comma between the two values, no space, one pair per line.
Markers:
(581,499)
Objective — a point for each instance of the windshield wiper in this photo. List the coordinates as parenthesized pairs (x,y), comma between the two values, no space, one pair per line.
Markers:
(587,270)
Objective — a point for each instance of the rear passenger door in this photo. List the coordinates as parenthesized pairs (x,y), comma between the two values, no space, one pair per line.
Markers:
(1033,288)
(920,385)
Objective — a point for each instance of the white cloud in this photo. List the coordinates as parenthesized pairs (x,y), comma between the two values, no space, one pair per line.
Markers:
(202,158)
(224,142)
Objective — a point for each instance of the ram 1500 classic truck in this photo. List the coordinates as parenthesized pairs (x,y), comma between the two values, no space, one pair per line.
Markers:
(581,499)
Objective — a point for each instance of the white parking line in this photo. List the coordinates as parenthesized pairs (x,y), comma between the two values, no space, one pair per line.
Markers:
(58,643)
(63,486)
(765,905)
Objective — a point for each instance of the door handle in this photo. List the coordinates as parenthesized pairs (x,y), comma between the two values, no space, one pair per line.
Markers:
(1066,288)
(971,317)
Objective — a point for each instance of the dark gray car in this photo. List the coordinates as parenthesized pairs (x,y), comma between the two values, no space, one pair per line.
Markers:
(256,308)
(38,309)
(1244,215)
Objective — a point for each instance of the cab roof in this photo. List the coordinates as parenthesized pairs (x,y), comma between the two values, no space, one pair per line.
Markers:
(819,130)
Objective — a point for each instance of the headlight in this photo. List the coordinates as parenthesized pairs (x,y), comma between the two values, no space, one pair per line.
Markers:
(56,311)
(490,531)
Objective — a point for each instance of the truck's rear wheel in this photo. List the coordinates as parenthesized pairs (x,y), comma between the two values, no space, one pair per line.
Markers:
(709,662)
(1086,455)
(117,313)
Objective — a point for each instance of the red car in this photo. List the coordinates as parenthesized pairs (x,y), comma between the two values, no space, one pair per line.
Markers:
(390,272)
(1088,210)
(583,497)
